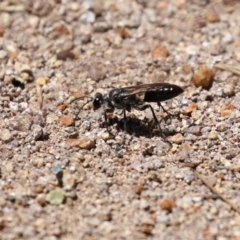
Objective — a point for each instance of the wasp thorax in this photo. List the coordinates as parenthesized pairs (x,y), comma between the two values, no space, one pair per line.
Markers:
(98,101)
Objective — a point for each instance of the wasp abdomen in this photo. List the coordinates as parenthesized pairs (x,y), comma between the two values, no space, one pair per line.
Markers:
(162,94)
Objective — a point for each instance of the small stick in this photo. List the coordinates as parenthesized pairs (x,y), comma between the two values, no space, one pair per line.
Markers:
(12,8)
(234,168)
(231,68)
(39,95)
(216,192)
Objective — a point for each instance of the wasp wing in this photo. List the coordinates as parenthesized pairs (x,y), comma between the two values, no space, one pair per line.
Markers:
(128,91)
(155,92)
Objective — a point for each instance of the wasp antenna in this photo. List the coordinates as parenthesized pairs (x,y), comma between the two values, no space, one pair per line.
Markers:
(90,99)
(73,98)
(80,109)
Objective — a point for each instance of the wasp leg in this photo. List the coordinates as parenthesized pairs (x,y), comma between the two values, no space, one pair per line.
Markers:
(144,107)
(125,125)
(164,110)
(169,115)
(125,120)
(161,106)
(79,108)
(106,111)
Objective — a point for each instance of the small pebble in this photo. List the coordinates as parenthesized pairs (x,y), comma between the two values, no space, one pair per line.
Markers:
(168,205)
(86,142)
(61,107)
(175,37)
(163,217)
(212,135)
(73,6)
(64,55)
(195,130)
(69,181)
(154,176)
(151,15)
(66,120)
(229,90)
(3,54)
(23,173)
(37,132)
(203,77)
(186,68)
(33,21)
(83,142)
(138,189)
(39,189)
(192,106)
(5,135)
(218,92)
(56,169)
(56,197)
(88,17)
(144,204)
(153,163)
(213,17)
(51,118)
(105,136)
(122,32)
(146,229)
(1,31)
(196,115)
(101,27)
(8,79)
(160,53)
(72,169)
(2,224)
(13,106)
(178,138)
(227,38)
(38,162)
(221,126)
(227,110)
(41,199)
(9,167)
(42,81)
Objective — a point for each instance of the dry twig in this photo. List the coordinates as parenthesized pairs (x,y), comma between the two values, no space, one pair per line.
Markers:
(39,95)
(6,7)
(232,68)
(216,192)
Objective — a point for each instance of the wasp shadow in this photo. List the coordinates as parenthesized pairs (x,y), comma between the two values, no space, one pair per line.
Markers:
(146,128)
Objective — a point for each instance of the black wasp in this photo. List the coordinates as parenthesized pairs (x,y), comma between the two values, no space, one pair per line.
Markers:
(137,97)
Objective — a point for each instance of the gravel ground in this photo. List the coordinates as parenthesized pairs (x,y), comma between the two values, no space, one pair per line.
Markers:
(63,175)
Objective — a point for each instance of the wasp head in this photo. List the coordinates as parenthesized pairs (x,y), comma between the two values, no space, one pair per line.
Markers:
(98,101)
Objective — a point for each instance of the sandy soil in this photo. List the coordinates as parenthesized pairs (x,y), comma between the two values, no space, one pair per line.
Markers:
(64,175)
